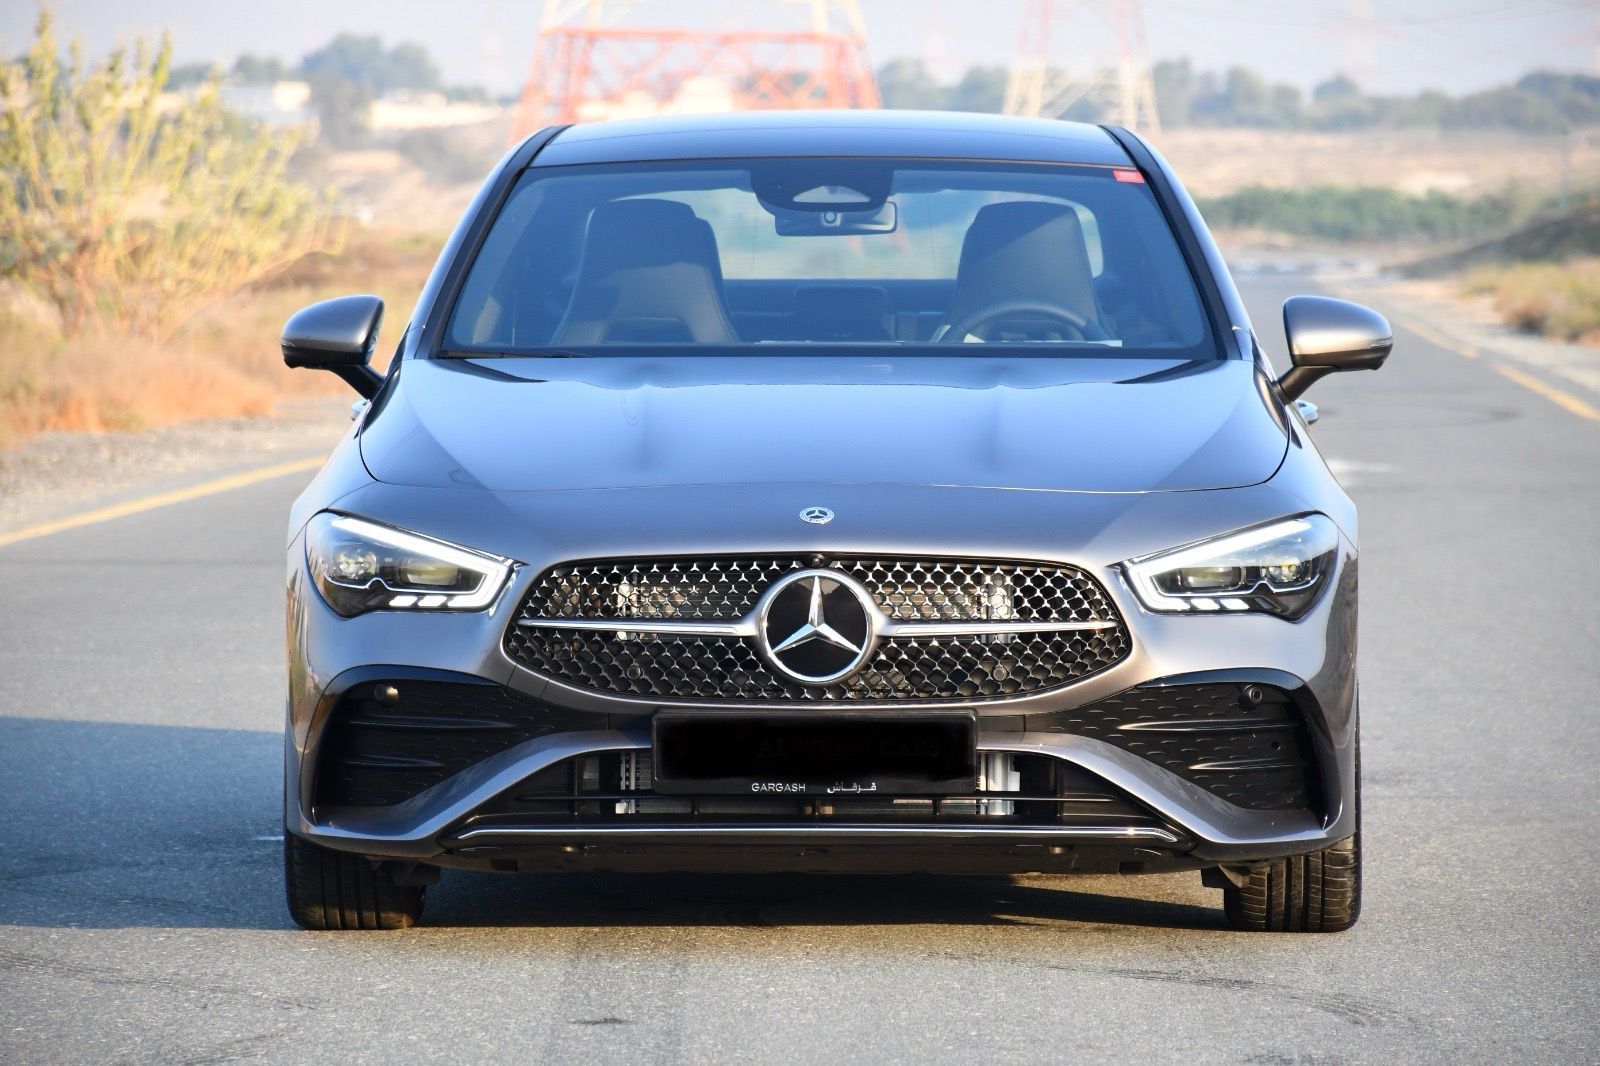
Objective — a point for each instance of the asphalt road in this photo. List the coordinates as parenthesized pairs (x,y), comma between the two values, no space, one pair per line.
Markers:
(141,913)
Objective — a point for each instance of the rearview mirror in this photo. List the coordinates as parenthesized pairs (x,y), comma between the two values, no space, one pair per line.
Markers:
(836,222)
(337,335)
(1327,335)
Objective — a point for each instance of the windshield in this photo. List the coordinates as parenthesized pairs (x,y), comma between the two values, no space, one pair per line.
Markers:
(749,256)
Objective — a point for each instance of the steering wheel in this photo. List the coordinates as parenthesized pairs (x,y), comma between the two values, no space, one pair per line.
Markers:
(996,312)
(554,301)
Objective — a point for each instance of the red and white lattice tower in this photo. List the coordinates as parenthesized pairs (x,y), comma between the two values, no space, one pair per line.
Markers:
(588,64)
(1072,50)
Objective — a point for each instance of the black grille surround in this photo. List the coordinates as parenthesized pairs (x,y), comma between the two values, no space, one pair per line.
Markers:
(1245,743)
(694,666)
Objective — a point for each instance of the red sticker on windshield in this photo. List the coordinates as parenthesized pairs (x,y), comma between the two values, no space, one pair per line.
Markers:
(1133,177)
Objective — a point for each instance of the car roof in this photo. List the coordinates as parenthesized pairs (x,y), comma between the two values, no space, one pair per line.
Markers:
(896,134)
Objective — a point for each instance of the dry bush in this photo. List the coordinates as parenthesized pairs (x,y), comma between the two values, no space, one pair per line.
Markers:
(57,383)
(223,362)
(127,208)
(152,247)
(1560,300)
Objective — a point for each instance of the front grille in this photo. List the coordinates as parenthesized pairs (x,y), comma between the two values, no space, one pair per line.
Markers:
(906,589)
(1247,744)
(386,741)
(614,788)
(701,666)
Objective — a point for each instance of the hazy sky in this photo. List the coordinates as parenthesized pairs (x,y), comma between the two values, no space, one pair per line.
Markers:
(1409,44)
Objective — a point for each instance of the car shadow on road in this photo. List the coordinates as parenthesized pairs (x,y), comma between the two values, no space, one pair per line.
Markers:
(114,825)
(766,900)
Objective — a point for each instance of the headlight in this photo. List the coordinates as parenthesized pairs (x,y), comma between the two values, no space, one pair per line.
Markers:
(1279,568)
(360,566)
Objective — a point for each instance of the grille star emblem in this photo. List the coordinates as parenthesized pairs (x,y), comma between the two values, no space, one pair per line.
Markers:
(816,626)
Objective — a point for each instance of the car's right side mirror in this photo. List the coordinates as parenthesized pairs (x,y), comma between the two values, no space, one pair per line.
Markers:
(337,335)
(1326,335)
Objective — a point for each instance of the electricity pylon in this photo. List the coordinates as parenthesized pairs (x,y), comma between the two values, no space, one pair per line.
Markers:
(1098,55)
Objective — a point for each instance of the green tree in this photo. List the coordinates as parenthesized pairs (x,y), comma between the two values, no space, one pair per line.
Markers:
(257,70)
(1176,88)
(342,108)
(363,61)
(980,89)
(351,71)
(908,84)
(1336,91)
(1356,212)
(124,209)
(190,74)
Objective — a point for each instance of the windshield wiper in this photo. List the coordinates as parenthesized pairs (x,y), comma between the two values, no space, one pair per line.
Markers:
(527,353)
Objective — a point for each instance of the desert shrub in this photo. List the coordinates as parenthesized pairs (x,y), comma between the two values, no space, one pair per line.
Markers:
(223,361)
(1560,300)
(1345,213)
(128,208)
(450,156)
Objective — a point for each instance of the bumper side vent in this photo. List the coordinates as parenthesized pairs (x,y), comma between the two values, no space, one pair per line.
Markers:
(1246,744)
(386,741)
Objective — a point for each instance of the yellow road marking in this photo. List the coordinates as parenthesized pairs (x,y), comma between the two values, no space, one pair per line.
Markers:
(1434,337)
(1554,395)
(161,499)
(1527,381)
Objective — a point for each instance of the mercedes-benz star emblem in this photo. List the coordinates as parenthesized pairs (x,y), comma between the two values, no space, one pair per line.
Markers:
(817,516)
(816,626)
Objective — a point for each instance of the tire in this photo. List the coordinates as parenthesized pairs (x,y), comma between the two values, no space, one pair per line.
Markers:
(337,890)
(1315,893)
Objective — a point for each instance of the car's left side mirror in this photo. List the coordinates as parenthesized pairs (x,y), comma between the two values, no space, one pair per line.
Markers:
(1326,335)
(337,335)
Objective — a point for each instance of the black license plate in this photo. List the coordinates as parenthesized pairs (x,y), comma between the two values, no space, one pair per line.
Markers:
(814,753)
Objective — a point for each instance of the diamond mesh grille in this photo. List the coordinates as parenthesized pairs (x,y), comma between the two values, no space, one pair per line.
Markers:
(967,667)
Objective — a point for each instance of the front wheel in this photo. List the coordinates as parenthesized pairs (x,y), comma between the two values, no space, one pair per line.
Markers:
(337,890)
(1315,893)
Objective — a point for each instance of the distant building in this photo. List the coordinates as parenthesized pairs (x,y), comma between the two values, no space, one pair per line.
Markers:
(696,95)
(427,111)
(279,103)
(288,103)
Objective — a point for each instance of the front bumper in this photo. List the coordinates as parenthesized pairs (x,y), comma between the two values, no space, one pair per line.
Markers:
(1174,821)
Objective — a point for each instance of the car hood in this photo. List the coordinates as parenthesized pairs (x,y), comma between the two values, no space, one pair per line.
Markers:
(1082,425)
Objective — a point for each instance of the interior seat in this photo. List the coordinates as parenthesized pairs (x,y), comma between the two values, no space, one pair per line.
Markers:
(1023,251)
(650,272)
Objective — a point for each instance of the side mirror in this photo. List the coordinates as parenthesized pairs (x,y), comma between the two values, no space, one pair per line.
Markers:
(1326,335)
(337,335)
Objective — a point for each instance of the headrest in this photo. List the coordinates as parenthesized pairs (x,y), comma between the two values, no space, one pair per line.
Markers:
(642,233)
(650,271)
(1024,250)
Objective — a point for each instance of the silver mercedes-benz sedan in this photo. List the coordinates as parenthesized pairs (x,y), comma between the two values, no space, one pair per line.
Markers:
(868,491)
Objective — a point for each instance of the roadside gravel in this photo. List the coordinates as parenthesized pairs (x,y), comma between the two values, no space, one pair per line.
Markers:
(55,474)
(1472,322)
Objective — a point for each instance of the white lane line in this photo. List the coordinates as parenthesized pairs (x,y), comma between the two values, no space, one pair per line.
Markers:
(161,499)
(1352,472)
